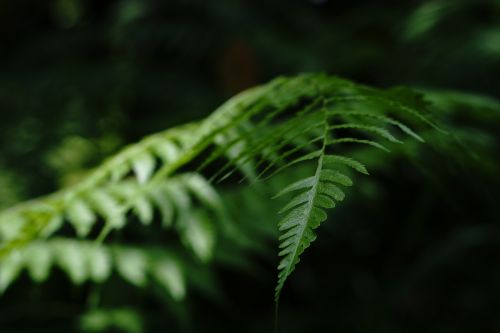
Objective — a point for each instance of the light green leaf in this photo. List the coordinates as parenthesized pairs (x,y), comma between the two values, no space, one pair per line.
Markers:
(143,166)
(166,150)
(38,258)
(199,234)
(108,207)
(72,260)
(168,274)
(132,266)
(10,268)
(81,216)
(120,171)
(350,162)
(11,226)
(202,189)
(161,199)
(99,262)
(298,185)
(143,209)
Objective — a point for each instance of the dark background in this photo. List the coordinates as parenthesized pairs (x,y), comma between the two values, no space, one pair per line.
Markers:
(80,79)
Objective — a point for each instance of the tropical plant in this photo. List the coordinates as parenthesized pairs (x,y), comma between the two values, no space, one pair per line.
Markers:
(312,127)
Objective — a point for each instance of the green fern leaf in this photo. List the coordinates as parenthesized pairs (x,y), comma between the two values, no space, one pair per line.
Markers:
(132,266)
(10,269)
(81,216)
(99,262)
(198,233)
(71,259)
(305,214)
(170,275)
(261,132)
(144,165)
(144,209)
(38,260)
(108,207)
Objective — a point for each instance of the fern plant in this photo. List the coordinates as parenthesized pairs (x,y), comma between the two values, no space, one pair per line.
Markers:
(85,261)
(313,120)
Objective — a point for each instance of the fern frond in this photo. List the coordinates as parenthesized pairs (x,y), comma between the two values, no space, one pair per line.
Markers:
(326,113)
(310,119)
(177,200)
(149,162)
(307,210)
(84,261)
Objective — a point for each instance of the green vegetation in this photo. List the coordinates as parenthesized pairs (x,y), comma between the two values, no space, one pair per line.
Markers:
(394,189)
